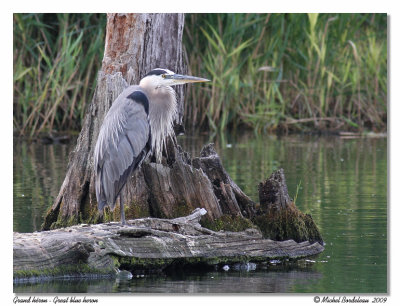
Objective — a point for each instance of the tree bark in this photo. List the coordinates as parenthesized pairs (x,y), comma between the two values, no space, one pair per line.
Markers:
(231,198)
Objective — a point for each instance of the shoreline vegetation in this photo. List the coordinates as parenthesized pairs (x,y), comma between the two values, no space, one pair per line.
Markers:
(269,72)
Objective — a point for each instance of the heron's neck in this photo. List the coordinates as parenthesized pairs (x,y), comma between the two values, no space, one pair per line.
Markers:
(162,112)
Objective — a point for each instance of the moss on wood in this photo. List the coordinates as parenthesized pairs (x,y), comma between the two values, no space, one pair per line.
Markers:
(286,224)
(80,270)
(182,209)
(62,222)
(228,223)
(136,211)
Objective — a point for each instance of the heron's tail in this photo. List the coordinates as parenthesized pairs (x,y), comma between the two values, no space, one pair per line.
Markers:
(100,196)
(101,204)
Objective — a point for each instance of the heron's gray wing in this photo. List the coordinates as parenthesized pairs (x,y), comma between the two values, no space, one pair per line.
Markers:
(124,141)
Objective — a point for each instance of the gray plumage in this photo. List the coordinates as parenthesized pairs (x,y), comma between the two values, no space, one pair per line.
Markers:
(138,122)
(123,143)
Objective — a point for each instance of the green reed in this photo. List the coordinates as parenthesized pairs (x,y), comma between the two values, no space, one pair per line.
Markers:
(56,59)
(290,71)
(268,72)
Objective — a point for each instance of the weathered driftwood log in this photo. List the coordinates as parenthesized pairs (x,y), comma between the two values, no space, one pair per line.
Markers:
(278,217)
(145,244)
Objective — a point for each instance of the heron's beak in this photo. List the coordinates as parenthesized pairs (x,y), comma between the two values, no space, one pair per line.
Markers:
(178,79)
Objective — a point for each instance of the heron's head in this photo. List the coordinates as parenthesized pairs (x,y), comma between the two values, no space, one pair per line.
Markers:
(160,77)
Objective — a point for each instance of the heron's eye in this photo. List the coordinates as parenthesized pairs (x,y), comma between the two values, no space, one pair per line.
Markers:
(163,76)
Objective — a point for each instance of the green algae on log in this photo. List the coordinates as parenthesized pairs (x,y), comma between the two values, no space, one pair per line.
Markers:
(145,244)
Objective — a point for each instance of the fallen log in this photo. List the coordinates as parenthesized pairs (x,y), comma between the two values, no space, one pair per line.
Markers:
(146,244)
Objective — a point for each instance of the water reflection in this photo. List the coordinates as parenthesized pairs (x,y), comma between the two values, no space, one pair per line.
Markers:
(210,282)
(342,183)
(39,171)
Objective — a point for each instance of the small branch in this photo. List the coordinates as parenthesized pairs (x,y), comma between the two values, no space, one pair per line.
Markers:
(194,216)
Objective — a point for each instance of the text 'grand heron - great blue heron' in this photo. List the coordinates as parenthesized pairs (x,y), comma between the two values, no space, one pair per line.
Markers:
(137,123)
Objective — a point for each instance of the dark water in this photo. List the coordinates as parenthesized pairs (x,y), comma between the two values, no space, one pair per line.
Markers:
(341,182)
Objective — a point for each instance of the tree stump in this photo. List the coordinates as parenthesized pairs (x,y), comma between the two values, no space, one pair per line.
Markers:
(231,198)
(278,217)
(136,43)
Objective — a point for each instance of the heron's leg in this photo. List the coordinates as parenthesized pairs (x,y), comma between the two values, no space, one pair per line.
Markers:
(121,207)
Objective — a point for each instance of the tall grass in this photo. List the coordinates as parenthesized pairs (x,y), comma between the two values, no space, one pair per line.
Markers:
(291,71)
(268,71)
(56,59)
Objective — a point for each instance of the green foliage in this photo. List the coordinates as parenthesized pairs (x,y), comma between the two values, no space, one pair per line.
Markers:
(324,71)
(297,193)
(56,59)
(267,71)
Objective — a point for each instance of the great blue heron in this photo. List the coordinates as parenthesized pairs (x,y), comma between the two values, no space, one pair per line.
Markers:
(137,123)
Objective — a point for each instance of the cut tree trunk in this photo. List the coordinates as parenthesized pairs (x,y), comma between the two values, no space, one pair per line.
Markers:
(148,244)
